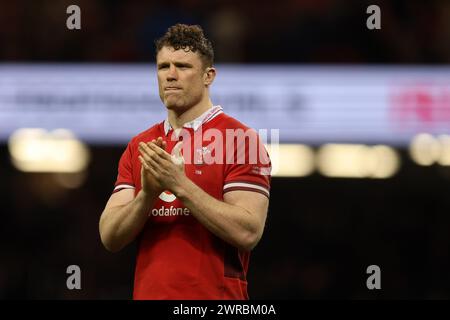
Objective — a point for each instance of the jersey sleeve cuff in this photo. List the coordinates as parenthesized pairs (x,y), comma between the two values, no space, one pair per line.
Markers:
(121,186)
(246,186)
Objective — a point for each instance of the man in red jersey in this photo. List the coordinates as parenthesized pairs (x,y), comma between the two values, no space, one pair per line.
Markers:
(193,189)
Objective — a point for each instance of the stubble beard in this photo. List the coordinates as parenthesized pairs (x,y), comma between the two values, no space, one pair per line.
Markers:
(180,103)
(175,103)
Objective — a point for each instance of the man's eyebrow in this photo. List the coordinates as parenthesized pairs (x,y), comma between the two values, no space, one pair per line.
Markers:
(177,64)
(183,64)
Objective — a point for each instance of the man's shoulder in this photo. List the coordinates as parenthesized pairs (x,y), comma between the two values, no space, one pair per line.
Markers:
(226,121)
(148,134)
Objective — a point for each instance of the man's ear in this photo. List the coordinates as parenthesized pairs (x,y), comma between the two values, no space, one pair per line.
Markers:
(210,74)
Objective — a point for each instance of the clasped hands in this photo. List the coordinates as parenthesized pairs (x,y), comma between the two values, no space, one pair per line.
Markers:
(160,170)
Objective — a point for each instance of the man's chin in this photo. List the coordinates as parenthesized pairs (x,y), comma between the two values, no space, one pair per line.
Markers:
(171,105)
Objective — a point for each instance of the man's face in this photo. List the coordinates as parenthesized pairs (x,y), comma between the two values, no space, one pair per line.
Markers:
(181,78)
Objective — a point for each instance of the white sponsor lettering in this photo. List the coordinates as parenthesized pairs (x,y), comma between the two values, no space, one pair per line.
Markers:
(171,211)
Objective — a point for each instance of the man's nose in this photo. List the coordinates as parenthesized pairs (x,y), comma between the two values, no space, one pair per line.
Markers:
(172,74)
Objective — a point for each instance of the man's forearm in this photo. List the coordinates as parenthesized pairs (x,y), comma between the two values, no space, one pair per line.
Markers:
(231,223)
(120,225)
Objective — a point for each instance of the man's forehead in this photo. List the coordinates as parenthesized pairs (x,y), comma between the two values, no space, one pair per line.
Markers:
(170,54)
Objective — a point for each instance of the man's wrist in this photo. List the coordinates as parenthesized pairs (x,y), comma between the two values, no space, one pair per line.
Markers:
(182,190)
(149,195)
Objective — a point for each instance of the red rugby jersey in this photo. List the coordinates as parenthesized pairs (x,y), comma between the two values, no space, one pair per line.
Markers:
(178,258)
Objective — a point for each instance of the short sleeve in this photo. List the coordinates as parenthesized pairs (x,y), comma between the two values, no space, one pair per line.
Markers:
(253,174)
(125,171)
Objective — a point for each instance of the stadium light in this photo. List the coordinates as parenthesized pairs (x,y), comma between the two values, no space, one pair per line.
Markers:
(357,161)
(291,160)
(382,161)
(425,149)
(444,157)
(38,150)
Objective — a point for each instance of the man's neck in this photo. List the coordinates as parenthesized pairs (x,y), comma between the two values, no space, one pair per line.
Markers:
(177,120)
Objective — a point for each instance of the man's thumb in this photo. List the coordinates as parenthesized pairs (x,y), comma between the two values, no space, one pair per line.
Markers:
(177,157)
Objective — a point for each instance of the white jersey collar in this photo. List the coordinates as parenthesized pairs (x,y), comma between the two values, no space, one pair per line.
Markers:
(208,115)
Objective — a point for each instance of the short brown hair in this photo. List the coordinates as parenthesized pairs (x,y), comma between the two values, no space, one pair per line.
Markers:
(187,37)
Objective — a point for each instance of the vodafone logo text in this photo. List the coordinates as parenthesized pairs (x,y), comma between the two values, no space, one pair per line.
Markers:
(167,196)
(169,212)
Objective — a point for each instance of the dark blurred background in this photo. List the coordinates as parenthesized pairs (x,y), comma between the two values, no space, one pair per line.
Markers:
(289,31)
(321,232)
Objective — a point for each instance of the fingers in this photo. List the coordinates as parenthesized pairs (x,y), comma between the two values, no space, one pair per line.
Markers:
(147,167)
(149,155)
(144,150)
(144,164)
(159,151)
(160,143)
(150,161)
(154,152)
